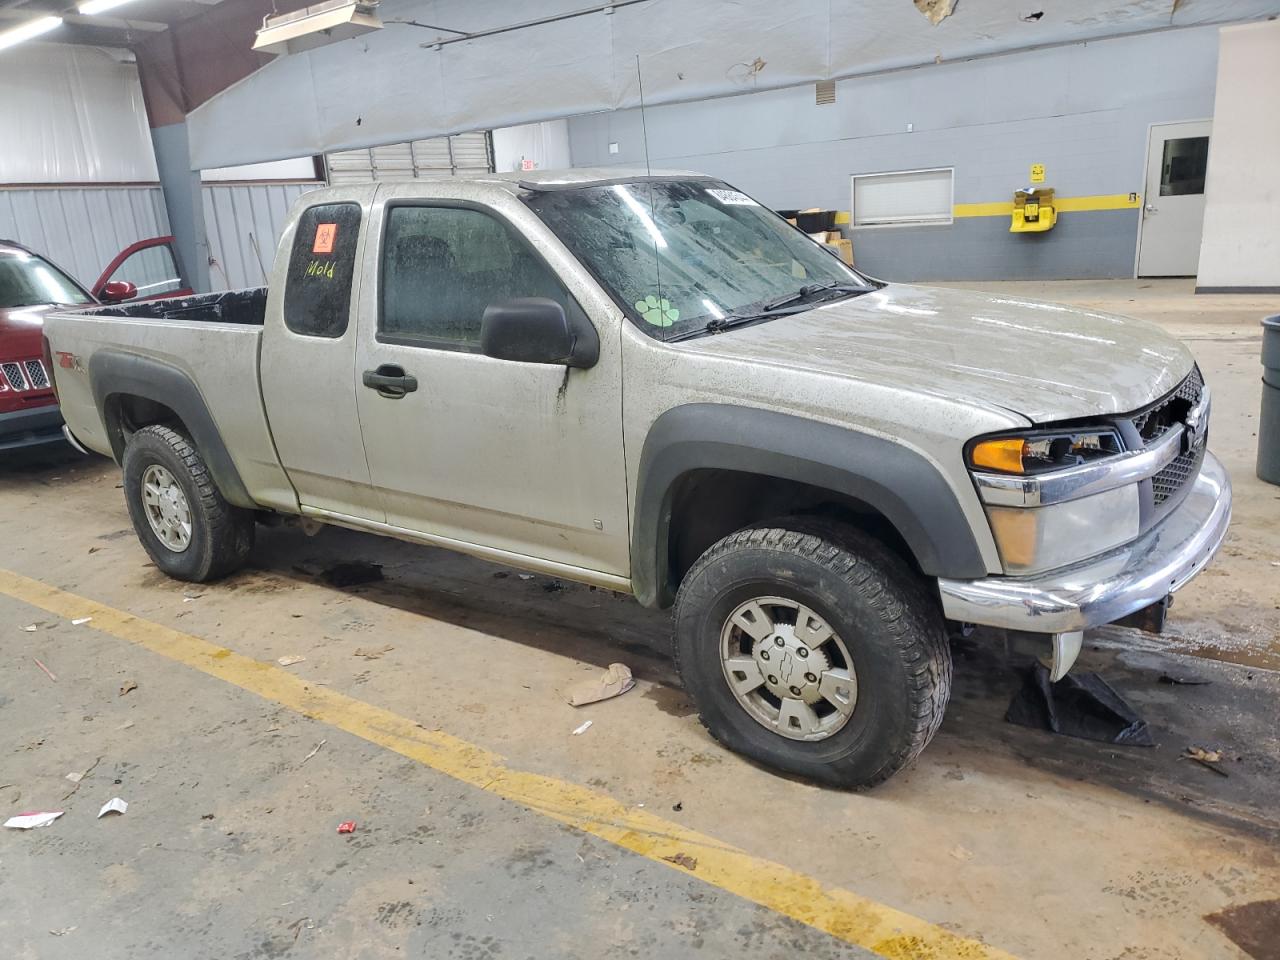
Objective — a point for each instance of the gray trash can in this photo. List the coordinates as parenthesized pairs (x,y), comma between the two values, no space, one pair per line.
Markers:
(1269,423)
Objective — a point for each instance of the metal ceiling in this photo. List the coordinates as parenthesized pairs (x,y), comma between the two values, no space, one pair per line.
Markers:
(122,27)
(406,83)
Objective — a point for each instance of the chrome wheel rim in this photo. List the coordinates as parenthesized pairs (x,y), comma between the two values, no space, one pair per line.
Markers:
(788,669)
(166,507)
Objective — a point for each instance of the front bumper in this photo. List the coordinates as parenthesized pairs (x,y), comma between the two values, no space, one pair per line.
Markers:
(1111,586)
(29,428)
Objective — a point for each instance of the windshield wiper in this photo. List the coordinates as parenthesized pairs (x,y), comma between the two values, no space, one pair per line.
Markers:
(778,307)
(810,290)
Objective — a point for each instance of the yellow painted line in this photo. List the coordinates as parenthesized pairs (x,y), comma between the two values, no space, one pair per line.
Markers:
(1115,201)
(847,916)
(1004,208)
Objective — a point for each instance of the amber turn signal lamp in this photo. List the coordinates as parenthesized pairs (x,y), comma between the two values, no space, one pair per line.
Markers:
(1005,455)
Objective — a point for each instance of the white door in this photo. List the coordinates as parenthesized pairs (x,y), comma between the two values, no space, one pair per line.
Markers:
(1173,206)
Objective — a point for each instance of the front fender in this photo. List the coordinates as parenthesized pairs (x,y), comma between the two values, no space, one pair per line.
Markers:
(895,480)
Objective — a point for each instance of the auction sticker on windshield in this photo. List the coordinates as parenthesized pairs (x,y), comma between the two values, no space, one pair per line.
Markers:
(732,197)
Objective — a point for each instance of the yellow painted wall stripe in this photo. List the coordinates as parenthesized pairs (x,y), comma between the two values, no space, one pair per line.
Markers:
(1004,208)
(840,913)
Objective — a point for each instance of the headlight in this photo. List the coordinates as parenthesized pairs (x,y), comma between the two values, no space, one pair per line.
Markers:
(1038,452)
(1036,525)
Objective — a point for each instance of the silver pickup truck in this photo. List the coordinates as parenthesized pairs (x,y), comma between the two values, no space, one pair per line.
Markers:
(651,383)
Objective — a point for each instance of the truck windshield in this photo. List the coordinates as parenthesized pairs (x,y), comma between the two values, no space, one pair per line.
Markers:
(682,256)
(27,280)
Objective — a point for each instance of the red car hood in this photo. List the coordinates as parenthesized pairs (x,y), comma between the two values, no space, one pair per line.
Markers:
(20,331)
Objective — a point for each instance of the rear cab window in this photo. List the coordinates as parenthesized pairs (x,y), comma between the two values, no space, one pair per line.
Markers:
(317,293)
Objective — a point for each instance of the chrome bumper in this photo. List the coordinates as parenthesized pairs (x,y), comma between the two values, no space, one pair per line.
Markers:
(1105,588)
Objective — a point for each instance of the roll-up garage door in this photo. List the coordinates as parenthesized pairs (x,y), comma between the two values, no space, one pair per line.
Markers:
(462,155)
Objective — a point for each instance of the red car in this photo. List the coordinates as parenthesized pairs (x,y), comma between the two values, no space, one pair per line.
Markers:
(31,286)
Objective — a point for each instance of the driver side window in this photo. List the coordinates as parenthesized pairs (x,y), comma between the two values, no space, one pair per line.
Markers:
(442,266)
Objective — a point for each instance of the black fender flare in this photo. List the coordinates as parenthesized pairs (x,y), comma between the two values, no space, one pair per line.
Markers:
(893,479)
(115,373)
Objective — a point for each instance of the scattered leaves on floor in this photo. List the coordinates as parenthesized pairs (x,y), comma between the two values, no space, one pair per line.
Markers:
(127,686)
(373,653)
(683,860)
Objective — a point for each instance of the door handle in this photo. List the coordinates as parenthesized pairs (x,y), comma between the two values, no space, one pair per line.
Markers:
(390,381)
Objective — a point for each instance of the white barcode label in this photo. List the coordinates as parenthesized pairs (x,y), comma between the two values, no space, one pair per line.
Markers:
(732,197)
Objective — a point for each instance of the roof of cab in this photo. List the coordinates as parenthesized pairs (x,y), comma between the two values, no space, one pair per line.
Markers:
(583,176)
(488,184)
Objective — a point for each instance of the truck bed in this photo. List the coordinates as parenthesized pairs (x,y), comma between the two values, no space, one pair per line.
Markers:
(212,340)
(246,307)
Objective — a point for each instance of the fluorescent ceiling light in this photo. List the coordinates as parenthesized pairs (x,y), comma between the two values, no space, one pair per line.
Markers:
(28,30)
(316,25)
(100,6)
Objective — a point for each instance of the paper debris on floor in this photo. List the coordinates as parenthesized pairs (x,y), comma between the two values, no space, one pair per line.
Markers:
(75,776)
(582,729)
(30,628)
(614,682)
(81,620)
(63,932)
(114,805)
(27,821)
(289,661)
(683,860)
(373,653)
(347,826)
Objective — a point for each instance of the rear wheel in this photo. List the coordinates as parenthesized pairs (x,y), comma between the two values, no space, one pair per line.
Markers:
(812,648)
(182,520)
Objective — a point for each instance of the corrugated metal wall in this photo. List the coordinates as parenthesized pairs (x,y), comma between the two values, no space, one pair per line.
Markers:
(81,228)
(462,155)
(244,221)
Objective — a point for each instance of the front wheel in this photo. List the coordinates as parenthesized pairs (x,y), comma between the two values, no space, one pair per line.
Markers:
(813,649)
(182,520)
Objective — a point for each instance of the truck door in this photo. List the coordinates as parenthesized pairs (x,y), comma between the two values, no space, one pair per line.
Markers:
(309,356)
(517,457)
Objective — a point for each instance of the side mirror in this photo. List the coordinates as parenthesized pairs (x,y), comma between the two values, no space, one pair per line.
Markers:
(537,330)
(117,291)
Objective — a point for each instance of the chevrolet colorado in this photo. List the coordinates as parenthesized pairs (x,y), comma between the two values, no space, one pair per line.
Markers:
(652,383)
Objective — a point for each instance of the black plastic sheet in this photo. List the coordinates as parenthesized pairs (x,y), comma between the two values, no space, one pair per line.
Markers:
(1081,706)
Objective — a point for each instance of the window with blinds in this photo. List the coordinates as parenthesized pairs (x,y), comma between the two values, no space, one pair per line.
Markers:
(908,197)
(462,155)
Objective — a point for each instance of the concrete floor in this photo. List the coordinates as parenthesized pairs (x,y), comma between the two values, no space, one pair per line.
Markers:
(1039,846)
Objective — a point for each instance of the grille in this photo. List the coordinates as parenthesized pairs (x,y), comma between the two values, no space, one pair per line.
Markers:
(1153,423)
(35,373)
(1181,469)
(13,373)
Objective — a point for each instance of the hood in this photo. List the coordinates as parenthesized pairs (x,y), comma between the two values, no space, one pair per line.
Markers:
(1044,361)
(20,327)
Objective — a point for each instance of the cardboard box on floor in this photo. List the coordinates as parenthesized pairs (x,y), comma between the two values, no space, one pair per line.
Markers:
(840,243)
(830,237)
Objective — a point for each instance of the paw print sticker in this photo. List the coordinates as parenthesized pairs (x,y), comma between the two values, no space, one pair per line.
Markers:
(657,311)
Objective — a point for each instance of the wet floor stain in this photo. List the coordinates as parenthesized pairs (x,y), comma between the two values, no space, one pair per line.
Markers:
(1253,927)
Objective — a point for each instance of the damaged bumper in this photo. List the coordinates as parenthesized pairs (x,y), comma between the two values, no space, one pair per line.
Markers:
(1108,587)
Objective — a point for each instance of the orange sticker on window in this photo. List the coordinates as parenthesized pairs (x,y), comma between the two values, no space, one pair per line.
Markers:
(326,234)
